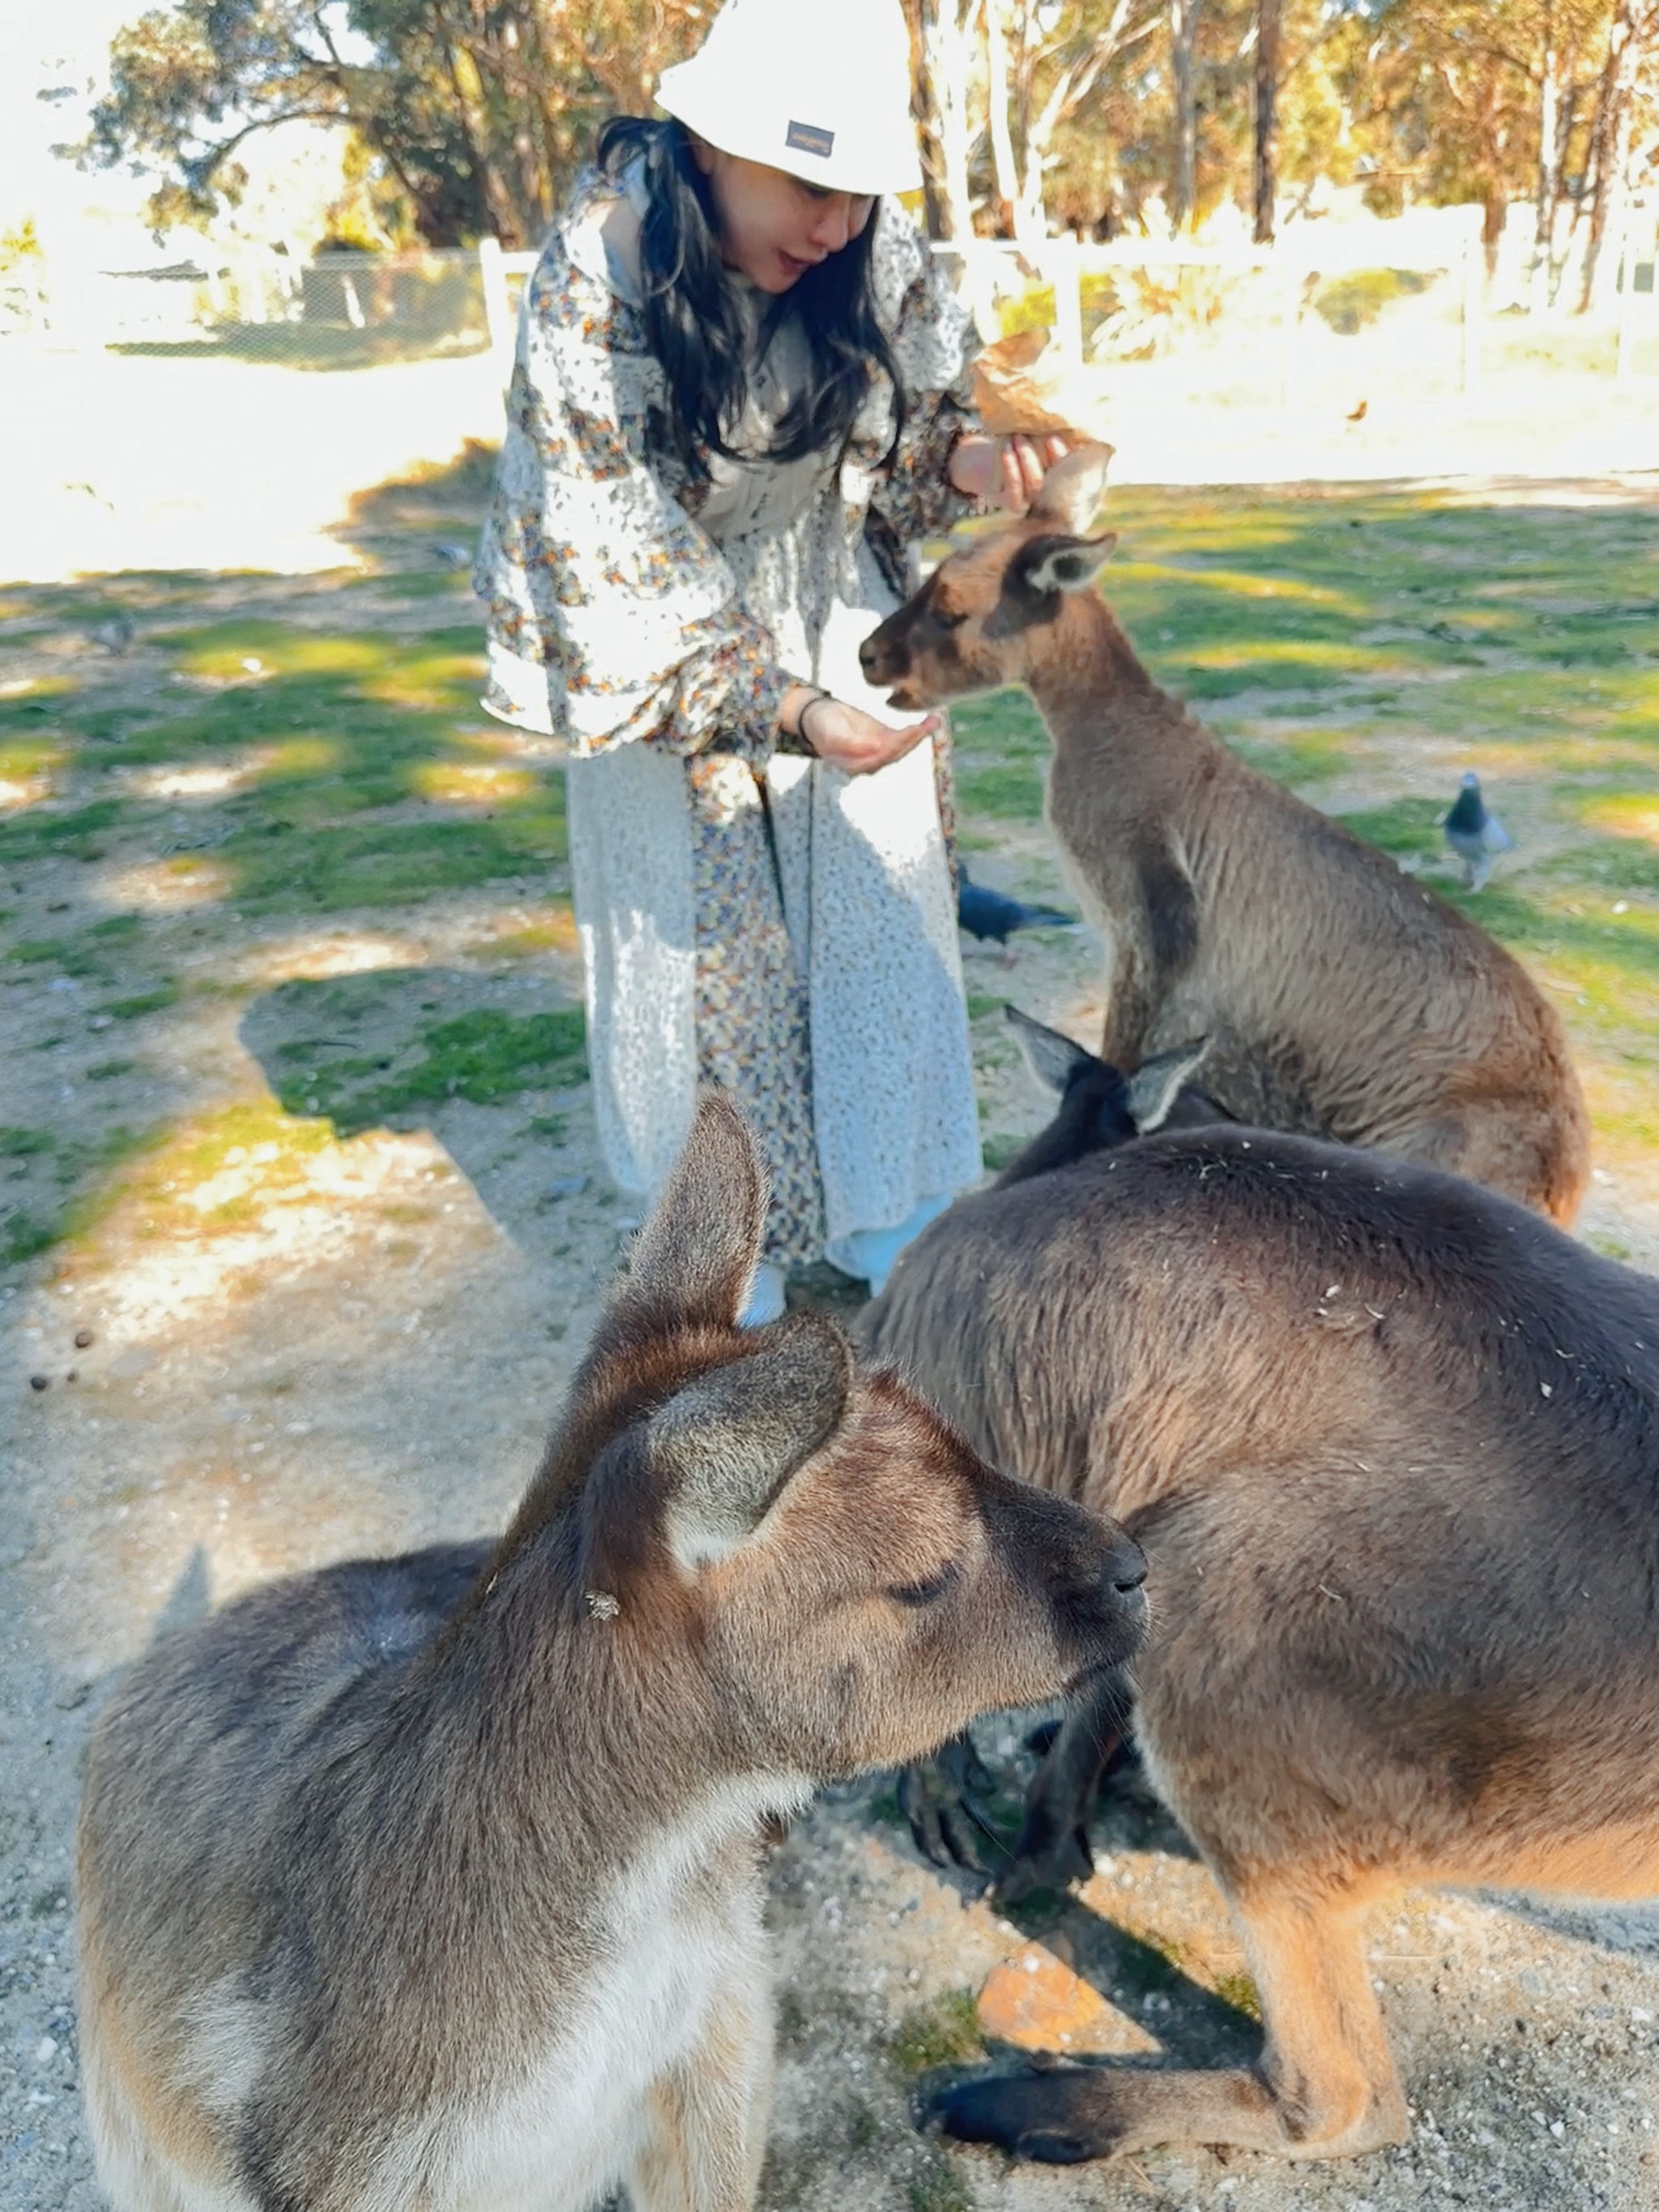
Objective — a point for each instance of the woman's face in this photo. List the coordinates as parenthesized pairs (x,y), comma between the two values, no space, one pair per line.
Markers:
(774,227)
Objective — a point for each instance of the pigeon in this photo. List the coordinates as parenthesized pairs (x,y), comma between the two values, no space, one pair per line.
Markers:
(453,556)
(984,913)
(115,635)
(1473,835)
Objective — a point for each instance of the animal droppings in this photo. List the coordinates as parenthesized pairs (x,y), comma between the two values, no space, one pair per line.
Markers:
(83,1339)
(39,1382)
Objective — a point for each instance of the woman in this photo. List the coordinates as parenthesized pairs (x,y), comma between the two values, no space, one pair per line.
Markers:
(740,397)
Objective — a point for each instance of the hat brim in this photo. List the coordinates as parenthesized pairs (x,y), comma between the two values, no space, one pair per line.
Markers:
(849,166)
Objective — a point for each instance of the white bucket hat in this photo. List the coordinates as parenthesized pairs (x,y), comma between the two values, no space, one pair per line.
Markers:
(818,88)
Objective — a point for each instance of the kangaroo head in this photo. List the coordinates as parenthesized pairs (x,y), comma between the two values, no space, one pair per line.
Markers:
(1099,1107)
(990,608)
(801,1560)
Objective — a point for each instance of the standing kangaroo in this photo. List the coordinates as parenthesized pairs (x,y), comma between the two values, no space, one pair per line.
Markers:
(431,1883)
(1341,999)
(1391,1443)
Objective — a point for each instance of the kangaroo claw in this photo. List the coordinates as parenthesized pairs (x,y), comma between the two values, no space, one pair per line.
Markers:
(936,1796)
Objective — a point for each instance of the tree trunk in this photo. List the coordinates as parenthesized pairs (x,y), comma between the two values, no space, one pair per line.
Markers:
(1549,168)
(1609,148)
(1183,195)
(948,44)
(1002,139)
(1267,18)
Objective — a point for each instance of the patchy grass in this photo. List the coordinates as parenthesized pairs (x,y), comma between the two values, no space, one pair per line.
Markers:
(210,1173)
(483,1056)
(1239,1990)
(940,2189)
(276,755)
(24,1143)
(942,2033)
(80,1179)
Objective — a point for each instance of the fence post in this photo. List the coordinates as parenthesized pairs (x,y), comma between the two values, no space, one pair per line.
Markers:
(1064,271)
(1474,301)
(1285,264)
(498,319)
(1624,348)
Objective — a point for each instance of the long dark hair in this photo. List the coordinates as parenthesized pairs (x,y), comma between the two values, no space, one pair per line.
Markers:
(695,327)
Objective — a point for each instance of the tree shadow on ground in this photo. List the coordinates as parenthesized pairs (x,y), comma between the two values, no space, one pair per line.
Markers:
(449,496)
(493,1066)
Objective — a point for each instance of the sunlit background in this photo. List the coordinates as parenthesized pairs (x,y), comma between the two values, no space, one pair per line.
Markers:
(301,1217)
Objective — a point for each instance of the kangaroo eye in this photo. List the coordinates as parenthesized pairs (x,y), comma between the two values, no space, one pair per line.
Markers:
(950,617)
(930,1591)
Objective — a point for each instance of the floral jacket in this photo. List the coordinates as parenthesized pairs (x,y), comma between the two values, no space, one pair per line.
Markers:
(605,596)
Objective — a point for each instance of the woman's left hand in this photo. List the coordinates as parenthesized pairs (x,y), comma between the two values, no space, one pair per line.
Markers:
(1007,472)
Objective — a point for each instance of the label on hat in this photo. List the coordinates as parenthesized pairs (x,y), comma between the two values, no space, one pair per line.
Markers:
(808,139)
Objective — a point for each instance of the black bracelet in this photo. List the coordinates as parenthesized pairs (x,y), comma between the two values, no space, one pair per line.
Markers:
(800,720)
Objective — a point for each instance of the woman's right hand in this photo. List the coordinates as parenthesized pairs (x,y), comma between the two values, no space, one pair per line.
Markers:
(857,743)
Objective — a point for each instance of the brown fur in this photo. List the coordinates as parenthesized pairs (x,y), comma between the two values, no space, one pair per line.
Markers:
(1390,1442)
(432,1881)
(1341,999)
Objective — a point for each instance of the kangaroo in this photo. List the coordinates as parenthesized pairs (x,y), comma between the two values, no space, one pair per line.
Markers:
(432,1882)
(1391,1444)
(1342,999)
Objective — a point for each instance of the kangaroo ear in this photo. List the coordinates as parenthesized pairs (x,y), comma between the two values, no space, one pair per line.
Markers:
(1070,492)
(728,1442)
(694,1258)
(1153,1089)
(1061,564)
(1052,1058)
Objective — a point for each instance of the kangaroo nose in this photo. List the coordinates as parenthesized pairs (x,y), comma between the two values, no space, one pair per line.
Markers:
(1126,1566)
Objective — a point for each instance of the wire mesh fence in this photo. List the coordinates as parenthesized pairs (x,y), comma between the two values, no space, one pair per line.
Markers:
(335,311)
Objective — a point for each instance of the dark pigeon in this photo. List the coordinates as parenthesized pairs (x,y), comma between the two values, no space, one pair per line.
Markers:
(1474,835)
(985,912)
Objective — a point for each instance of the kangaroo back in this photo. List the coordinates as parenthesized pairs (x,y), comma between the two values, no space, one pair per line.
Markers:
(1391,1443)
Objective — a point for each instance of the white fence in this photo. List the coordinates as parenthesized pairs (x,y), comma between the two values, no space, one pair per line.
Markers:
(1429,282)
(1328,300)
(1361,300)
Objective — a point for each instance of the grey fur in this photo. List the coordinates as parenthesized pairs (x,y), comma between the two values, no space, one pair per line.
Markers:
(433,1882)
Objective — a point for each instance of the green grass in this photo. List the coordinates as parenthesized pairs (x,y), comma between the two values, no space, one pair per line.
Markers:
(942,2033)
(358,772)
(483,1056)
(24,1143)
(1359,645)
(140,1003)
(81,1172)
(940,2189)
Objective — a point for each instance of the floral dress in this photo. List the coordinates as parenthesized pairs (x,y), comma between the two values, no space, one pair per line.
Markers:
(750,917)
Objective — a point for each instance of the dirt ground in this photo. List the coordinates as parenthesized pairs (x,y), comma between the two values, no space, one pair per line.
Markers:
(298,1324)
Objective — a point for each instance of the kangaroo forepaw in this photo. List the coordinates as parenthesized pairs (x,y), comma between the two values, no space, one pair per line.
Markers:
(1047,1857)
(936,1797)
